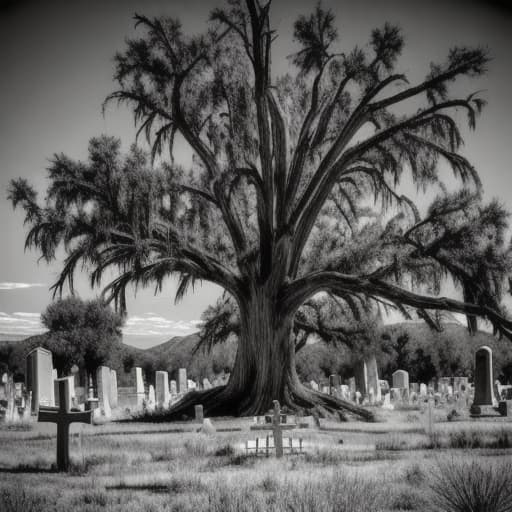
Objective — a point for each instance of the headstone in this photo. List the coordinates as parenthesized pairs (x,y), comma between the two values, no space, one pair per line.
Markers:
(191,385)
(182,381)
(423,389)
(386,403)
(71,388)
(39,377)
(278,433)
(449,390)
(313,385)
(206,384)
(372,373)
(483,378)
(334,384)
(414,387)
(139,386)
(162,389)
(113,396)
(401,379)
(198,410)
(505,408)
(63,418)
(151,398)
(103,387)
(352,384)
(174,387)
(361,376)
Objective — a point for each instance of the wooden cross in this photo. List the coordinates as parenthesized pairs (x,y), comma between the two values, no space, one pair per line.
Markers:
(277,429)
(63,417)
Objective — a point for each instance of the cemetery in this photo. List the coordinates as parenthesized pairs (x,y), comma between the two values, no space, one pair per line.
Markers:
(109,448)
(257,256)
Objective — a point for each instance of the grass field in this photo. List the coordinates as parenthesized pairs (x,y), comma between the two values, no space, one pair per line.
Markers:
(349,467)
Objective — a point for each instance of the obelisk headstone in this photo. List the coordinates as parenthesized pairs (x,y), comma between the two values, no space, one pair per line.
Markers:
(483,379)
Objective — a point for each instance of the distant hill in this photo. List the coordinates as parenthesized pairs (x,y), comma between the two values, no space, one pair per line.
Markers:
(426,352)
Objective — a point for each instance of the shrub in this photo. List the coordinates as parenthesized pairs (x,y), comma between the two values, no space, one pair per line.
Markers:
(472,486)
(225,451)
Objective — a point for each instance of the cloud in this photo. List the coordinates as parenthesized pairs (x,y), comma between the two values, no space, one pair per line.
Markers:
(19,286)
(21,323)
(150,324)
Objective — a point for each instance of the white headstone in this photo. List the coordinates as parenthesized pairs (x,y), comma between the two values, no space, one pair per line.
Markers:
(162,389)
(191,384)
(174,387)
(182,381)
(401,379)
(103,387)
(423,389)
(206,384)
(313,385)
(39,378)
(113,389)
(151,398)
(373,379)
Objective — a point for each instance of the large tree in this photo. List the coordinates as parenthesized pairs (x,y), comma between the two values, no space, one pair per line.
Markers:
(293,188)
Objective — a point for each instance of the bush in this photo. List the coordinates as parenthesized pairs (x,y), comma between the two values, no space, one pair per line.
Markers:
(471,486)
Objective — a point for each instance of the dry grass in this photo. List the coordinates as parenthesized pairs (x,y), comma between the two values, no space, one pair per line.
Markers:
(144,467)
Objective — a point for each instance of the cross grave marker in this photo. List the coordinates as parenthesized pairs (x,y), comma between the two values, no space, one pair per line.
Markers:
(63,418)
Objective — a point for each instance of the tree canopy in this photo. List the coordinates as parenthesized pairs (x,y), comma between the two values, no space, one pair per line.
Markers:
(294,187)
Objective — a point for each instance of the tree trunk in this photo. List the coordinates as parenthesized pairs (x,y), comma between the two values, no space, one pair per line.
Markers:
(264,370)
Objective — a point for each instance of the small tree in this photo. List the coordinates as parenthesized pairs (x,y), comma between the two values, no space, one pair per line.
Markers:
(85,333)
(293,190)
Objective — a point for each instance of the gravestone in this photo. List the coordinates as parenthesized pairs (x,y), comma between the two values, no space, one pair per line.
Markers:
(151,398)
(182,381)
(401,379)
(459,383)
(63,418)
(313,385)
(113,396)
(139,386)
(483,379)
(372,373)
(206,384)
(39,378)
(191,385)
(423,389)
(71,396)
(352,385)
(162,389)
(414,387)
(103,389)
(361,377)
(198,410)
(334,384)
(277,431)
(174,388)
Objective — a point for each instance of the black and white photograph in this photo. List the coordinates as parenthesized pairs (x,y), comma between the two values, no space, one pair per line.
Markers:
(256,256)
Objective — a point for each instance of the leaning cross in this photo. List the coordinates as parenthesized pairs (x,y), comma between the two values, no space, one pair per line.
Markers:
(277,429)
(63,417)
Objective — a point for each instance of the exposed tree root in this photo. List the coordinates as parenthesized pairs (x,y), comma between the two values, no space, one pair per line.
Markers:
(221,401)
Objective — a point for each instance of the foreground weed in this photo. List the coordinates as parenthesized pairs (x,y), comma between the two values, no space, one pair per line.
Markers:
(472,486)
(17,499)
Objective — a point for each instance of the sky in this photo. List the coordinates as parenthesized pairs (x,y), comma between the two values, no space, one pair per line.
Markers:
(57,66)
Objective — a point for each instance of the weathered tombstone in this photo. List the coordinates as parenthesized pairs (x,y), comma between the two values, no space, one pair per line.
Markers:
(198,410)
(483,379)
(63,418)
(414,387)
(113,396)
(139,386)
(352,385)
(182,381)
(372,373)
(103,387)
(334,384)
(39,377)
(162,389)
(71,395)
(361,377)
(325,389)
(151,398)
(206,384)
(386,403)
(423,389)
(505,408)
(313,385)
(278,433)
(207,427)
(449,390)
(191,385)
(401,379)
(174,387)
